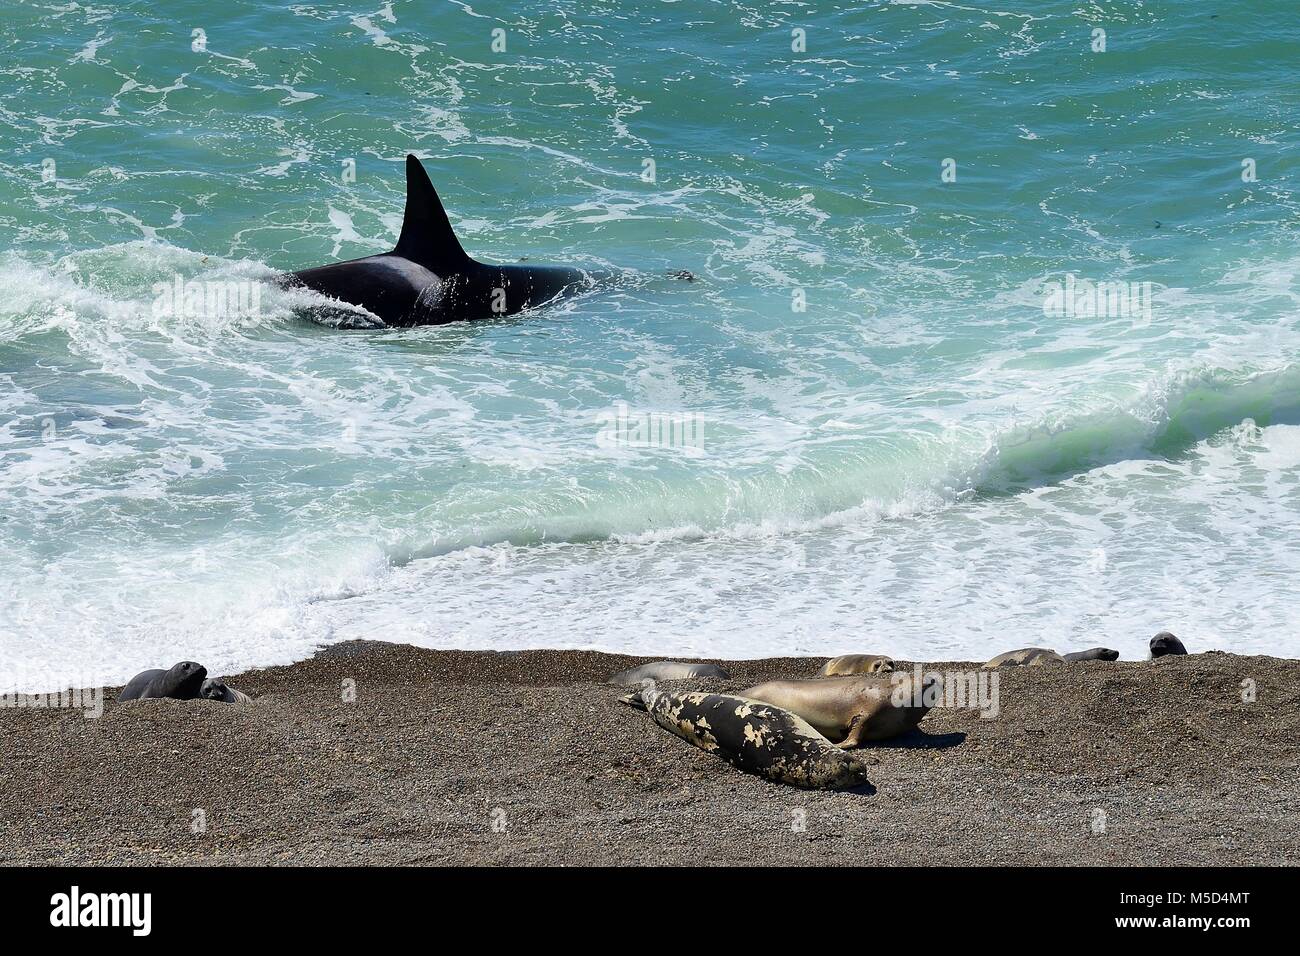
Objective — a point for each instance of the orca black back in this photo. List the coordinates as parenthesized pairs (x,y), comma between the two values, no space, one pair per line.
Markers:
(428,278)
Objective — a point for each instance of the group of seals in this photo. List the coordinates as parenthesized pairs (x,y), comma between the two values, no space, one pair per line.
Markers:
(183,681)
(1038,656)
(1161,645)
(796,731)
(789,731)
(753,736)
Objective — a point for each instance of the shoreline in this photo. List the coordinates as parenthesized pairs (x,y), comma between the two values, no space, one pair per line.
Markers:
(523,757)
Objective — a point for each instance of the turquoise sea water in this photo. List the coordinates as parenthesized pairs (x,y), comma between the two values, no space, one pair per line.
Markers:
(923,460)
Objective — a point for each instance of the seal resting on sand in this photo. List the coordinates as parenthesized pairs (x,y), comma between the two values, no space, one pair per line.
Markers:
(852,709)
(1164,644)
(1093,654)
(847,664)
(668,670)
(755,737)
(219,690)
(181,681)
(1028,657)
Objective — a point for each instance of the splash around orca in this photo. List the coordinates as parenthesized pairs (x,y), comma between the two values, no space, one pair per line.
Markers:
(428,279)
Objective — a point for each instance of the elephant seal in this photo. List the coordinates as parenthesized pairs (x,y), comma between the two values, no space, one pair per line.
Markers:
(847,664)
(755,737)
(1164,644)
(668,670)
(1029,657)
(219,690)
(181,681)
(1093,654)
(852,709)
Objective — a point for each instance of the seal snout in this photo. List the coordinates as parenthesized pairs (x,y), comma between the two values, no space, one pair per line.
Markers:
(190,678)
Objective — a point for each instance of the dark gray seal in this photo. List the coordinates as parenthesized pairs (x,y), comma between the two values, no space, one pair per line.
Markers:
(1164,644)
(1093,654)
(219,690)
(181,681)
(755,737)
(668,670)
(428,279)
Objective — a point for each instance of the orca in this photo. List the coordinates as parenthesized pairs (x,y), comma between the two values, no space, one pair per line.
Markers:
(428,279)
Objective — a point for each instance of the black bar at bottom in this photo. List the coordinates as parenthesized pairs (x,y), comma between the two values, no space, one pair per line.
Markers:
(327,904)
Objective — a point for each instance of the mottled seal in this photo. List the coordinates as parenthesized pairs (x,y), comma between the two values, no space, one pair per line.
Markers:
(847,664)
(1164,644)
(668,670)
(1093,654)
(219,690)
(755,737)
(853,709)
(1029,657)
(181,681)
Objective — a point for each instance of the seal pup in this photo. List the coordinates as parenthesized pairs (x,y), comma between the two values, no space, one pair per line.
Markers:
(1028,657)
(847,664)
(220,690)
(752,736)
(428,279)
(181,681)
(1164,644)
(1093,654)
(668,670)
(856,708)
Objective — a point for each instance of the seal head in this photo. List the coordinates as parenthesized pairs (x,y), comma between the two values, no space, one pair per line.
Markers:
(213,689)
(1164,644)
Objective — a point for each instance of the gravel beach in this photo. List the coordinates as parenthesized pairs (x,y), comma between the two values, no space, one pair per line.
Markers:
(451,757)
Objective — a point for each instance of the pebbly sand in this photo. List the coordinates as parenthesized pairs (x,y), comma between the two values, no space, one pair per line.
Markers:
(450,757)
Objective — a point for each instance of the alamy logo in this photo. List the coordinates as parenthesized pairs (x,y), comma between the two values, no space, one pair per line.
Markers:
(88,700)
(975,690)
(1083,299)
(198,299)
(75,908)
(650,429)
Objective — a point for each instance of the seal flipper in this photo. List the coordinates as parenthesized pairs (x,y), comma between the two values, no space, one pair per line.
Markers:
(853,738)
(427,237)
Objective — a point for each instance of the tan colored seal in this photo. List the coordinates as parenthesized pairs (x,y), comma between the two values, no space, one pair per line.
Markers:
(852,709)
(1027,657)
(847,664)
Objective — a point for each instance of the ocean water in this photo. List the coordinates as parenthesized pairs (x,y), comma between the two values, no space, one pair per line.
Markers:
(898,442)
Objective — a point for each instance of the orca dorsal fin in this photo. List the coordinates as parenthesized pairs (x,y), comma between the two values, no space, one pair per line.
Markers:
(427,237)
